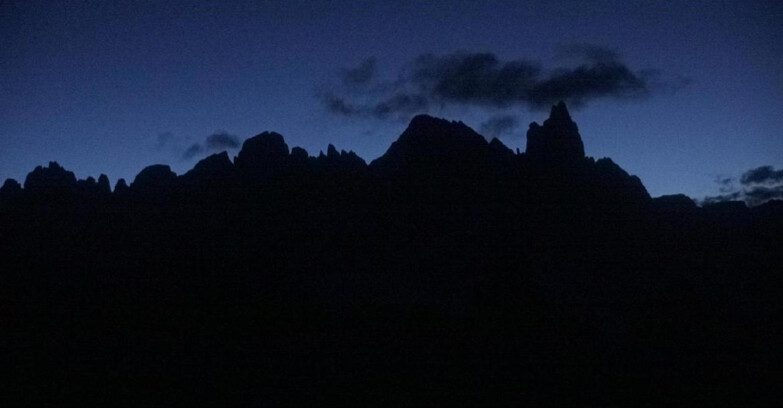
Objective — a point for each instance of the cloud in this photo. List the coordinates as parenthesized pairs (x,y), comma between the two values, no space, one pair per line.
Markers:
(337,105)
(362,74)
(405,103)
(194,150)
(762,175)
(725,183)
(589,82)
(218,141)
(498,126)
(589,52)
(759,185)
(164,139)
(222,140)
(484,80)
(735,196)
(474,79)
(394,104)
(761,194)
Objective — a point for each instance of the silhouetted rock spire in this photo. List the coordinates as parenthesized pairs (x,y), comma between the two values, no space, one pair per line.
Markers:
(340,160)
(121,187)
(103,184)
(557,141)
(332,153)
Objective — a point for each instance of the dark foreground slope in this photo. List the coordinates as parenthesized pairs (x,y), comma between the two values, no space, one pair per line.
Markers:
(448,271)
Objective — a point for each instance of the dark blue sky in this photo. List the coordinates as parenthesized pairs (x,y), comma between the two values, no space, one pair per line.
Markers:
(110,87)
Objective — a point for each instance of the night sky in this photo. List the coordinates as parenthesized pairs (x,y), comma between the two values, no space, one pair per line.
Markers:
(686,95)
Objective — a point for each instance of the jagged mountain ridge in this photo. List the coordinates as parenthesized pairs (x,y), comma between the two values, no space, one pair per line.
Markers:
(429,147)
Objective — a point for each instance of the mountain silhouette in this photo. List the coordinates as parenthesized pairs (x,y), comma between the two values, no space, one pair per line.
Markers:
(157,176)
(557,141)
(214,171)
(449,271)
(431,144)
(51,178)
(262,156)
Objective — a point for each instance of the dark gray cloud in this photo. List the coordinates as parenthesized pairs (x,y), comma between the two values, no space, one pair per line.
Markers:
(484,80)
(400,103)
(338,105)
(215,142)
(588,82)
(759,185)
(498,126)
(474,79)
(194,150)
(588,52)
(222,140)
(762,175)
(761,194)
(733,196)
(361,74)
(752,196)
(726,184)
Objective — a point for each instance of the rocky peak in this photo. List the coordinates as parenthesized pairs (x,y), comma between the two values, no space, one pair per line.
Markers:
(87,185)
(559,113)
(216,168)
(332,153)
(216,165)
(52,177)
(11,188)
(426,129)
(613,179)
(299,154)
(103,184)
(340,160)
(557,141)
(497,148)
(433,142)
(262,155)
(154,177)
(121,187)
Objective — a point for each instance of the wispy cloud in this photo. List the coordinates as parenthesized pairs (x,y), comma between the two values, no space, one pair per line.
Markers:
(222,140)
(498,126)
(215,142)
(194,150)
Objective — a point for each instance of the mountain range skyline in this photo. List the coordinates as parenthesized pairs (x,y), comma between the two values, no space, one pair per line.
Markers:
(685,95)
(559,144)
